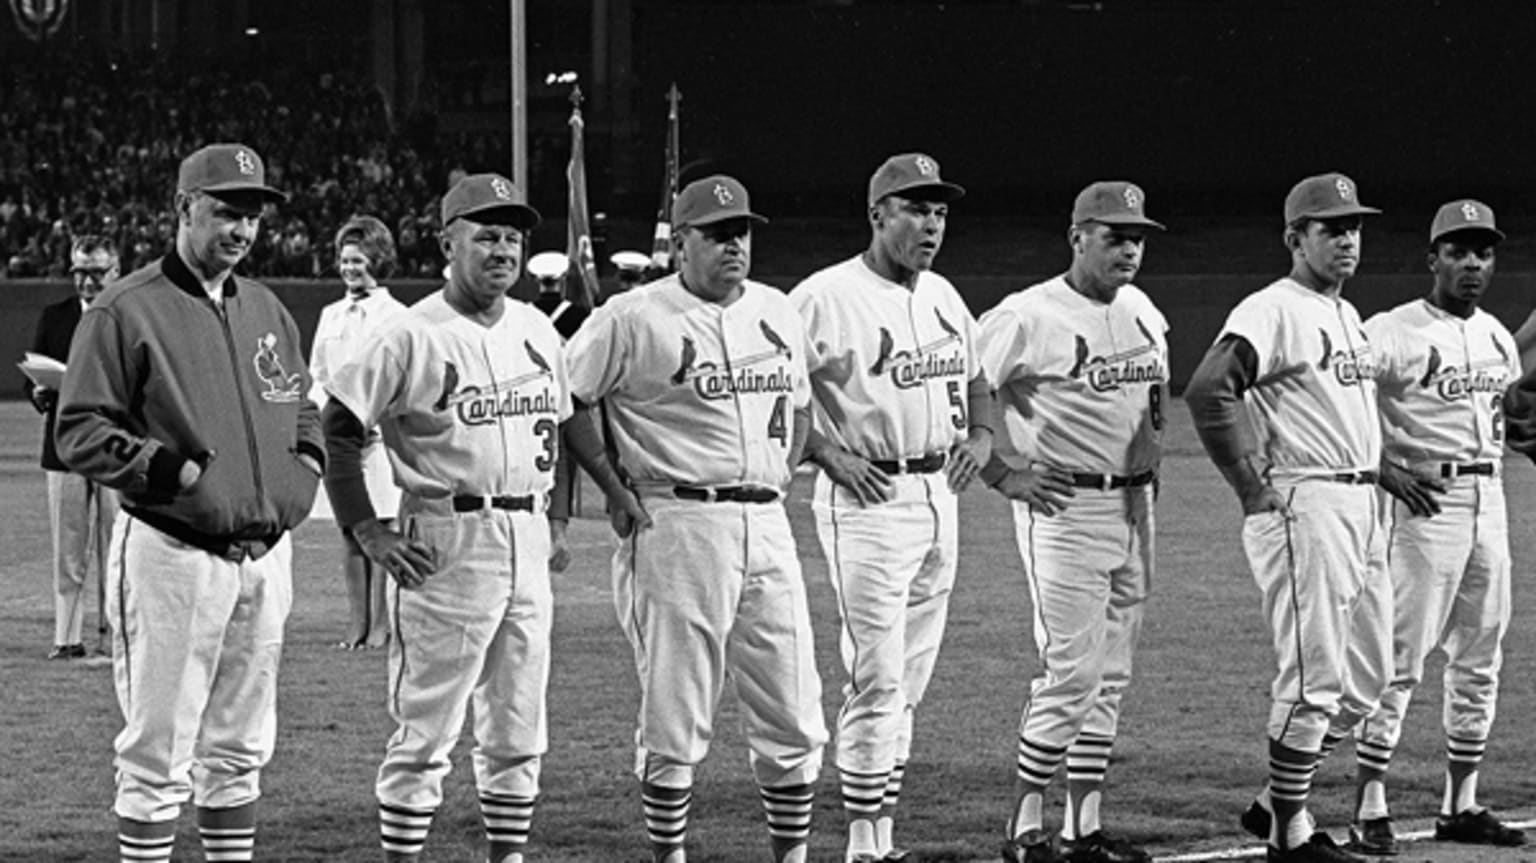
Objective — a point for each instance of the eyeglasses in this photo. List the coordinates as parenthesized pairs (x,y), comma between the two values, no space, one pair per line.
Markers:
(92,273)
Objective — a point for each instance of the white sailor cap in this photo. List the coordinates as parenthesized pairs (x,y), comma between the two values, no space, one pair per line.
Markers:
(548,265)
(634,262)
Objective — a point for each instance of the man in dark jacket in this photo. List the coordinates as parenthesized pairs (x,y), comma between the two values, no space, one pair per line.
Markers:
(186,392)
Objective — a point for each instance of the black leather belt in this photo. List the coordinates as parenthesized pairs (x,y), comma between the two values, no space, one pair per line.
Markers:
(1480,468)
(1354,477)
(475,502)
(1107,481)
(727,493)
(930,463)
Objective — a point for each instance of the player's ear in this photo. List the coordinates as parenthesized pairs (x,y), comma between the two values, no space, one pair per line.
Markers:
(183,206)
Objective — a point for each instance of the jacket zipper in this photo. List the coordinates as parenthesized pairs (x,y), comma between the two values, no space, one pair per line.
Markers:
(245,407)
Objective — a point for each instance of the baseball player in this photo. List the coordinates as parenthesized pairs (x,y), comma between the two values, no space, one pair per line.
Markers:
(1442,367)
(702,377)
(365,251)
(903,422)
(1285,404)
(469,390)
(186,391)
(1080,363)
(80,512)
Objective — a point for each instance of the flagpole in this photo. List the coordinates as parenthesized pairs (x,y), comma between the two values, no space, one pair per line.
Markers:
(578,234)
(519,106)
(661,241)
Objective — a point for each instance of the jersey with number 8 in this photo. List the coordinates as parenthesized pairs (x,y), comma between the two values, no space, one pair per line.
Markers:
(697,393)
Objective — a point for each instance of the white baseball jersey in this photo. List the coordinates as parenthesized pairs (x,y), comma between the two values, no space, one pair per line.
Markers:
(1313,404)
(889,366)
(465,409)
(1082,383)
(697,393)
(1442,381)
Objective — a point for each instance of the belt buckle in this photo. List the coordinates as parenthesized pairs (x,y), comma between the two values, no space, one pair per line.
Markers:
(1106,482)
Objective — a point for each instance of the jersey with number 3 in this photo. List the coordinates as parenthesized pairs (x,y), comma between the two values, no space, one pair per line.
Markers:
(1313,403)
(695,393)
(463,408)
(889,366)
(1441,379)
(1082,383)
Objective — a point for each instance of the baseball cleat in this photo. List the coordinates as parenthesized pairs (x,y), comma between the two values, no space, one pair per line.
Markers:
(1096,847)
(1477,828)
(1256,820)
(1031,846)
(1319,849)
(897,855)
(1373,836)
(67,651)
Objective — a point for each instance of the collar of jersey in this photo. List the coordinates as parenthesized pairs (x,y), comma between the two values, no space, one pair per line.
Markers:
(181,276)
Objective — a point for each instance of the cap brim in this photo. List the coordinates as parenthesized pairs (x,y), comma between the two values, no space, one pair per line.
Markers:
(519,216)
(940,191)
(715,218)
(1497,234)
(266,192)
(1127,220)
(1339,212)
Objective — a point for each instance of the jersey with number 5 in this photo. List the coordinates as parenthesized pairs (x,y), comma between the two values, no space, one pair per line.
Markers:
(1082,384)
(695,393)
(1441,380)
(463,408)
(889,366)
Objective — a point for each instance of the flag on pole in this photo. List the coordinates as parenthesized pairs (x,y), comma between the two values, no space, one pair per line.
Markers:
(581,281)
(661,243)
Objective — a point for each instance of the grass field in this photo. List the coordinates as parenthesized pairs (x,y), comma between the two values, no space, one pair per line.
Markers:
(1188,759)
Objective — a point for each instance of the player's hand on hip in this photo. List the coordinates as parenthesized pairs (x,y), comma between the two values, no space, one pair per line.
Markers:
(1420,494)
(559,546)
(408,561)
(1265,498)
(967,457)
(626,514)
(863,480)
(1046,490)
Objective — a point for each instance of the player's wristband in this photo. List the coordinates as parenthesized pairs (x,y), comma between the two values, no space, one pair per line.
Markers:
(994,472)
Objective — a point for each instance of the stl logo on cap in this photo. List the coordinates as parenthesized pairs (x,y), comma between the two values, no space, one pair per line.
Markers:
(1469,211)
(1344,189)
(501,189)
(246,162)
(723,195)
(1132,198)
(926,167)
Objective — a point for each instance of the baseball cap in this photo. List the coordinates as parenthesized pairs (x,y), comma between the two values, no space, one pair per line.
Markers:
(477,194)
(548,265)
(907,172)
(1113,202)
(226,168)
(712,199)
(1325,196)
(1463,215)
(634,262)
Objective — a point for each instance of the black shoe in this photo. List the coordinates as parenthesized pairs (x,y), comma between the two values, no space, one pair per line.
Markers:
(1256,820)
(1477,828)
(1099,848)
(1373,836)
(1319,849)
(897,855)
(1031,846)
(67,651)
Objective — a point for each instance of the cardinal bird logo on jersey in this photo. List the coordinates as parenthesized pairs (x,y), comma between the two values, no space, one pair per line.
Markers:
(1327,358)
(887,345)
(538,359)
(1432,367)
(281,386)
(1138,365)
(685,367)
(450,385)
(1080,352)
(774,339)
(909,368)
(1350,366)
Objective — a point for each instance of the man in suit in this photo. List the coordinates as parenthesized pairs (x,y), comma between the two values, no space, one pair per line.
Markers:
(79,511)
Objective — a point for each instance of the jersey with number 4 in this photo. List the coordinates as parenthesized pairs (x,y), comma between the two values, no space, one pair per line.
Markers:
(889,366)
(1082,383)
(1313,403)
(1441,380)
(463,408)
(695,393)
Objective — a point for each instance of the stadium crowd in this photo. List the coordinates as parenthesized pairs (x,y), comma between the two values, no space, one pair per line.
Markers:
(88,146)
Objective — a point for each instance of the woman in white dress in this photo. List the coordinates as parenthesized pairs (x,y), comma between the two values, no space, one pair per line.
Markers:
(365,252)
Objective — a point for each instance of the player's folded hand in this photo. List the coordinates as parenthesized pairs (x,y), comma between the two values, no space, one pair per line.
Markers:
(867,483)
(1264,498)
(1045,490)
(626,514)
(408,561)
(967,457)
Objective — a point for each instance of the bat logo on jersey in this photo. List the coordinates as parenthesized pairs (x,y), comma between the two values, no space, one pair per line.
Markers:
(281,386)
(712,380)
(483,405)
(1349,367)
(1454,384)
(911,368)
(1141,364)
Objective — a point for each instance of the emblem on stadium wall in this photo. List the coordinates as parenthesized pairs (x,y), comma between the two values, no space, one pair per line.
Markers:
(39,20)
